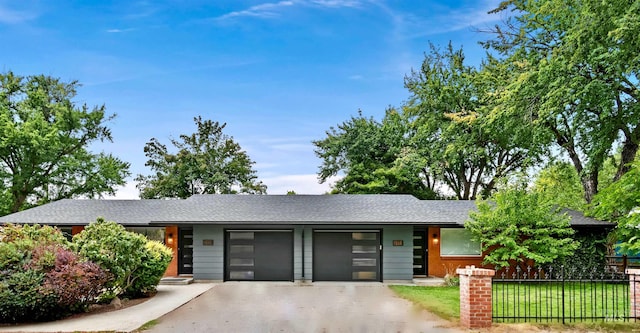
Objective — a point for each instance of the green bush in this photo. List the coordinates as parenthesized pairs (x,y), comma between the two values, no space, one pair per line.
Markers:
(41,278)
(154,263)
(21,281)
(136,263)
(115,249)
(18,241)
(23,297)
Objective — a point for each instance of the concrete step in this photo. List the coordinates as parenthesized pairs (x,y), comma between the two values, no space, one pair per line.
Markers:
(176,280)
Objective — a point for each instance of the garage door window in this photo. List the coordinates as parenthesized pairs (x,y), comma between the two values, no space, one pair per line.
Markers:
(241,262)
(364,262)
(239,249)
(241,235)
(458,242)
(363,249)
(363,236)
(241,275)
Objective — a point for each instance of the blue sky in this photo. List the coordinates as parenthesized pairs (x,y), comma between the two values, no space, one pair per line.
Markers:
(278,73)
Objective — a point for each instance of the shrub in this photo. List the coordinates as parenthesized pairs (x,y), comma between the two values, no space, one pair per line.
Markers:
(39,234)
(155,259)
(115,249)
(40,277)
(23,298)
(136,263)
(75,283)
(18,241)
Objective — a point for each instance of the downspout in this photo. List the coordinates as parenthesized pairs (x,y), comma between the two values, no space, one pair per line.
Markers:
(303,278)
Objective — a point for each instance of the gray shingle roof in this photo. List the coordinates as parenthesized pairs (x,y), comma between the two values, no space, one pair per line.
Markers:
(260,209)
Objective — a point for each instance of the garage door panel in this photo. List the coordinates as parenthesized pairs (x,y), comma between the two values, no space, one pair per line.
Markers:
(265,255)
(346,256)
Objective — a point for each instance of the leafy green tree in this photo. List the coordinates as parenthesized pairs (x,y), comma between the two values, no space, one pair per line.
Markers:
(44,136)
(207,162)
(559,183)
(575,71)
(620,202)
(375,157)
(461,145)
(517,225)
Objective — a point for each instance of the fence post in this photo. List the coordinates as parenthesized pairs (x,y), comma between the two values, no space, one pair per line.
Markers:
(475,296)
(634,292)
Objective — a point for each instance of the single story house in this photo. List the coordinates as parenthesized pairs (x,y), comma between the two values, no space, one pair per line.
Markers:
(292,237)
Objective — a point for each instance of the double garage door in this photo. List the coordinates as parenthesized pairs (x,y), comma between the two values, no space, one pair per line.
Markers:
(267,255)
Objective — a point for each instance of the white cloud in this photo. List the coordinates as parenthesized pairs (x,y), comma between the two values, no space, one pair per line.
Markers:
(301,184)
(128,191)
(265,10)
(408,25)
(118,30)
(273,9)
(10,16)
(337,3)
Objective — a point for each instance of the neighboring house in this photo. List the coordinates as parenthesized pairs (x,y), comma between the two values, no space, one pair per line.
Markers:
(293,237)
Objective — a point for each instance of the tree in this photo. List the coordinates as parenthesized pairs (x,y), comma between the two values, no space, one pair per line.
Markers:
(374,156)
(461,145)
(559,183)
(575,71)
(517,225)
(207,162)
(620,202)
(44,138)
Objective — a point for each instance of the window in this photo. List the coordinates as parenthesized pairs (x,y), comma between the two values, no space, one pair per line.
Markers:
(241,249)
(457,242)
(152,233)
(241,235)
(363,249)
(364,236)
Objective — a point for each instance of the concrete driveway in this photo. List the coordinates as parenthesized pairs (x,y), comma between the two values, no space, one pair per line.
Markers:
(288,307)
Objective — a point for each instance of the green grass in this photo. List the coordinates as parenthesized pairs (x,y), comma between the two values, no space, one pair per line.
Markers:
(147,325)
(445,303)
(442,301)
(545,300)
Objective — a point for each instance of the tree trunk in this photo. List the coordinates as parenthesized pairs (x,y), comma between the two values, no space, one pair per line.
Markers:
(590,185)
(18,201)
(629,151)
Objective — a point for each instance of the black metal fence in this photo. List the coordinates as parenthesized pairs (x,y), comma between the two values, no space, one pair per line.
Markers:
(548,295)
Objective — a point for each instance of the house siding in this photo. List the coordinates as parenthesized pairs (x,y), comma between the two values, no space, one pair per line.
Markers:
(440,266)
(297,253)
(208,261)
(397,261)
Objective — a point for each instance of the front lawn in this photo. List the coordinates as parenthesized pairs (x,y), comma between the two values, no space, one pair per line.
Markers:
(445,302)
(442,301)
(543,302)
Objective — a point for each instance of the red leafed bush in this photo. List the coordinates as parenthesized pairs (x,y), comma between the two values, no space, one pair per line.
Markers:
(74,283)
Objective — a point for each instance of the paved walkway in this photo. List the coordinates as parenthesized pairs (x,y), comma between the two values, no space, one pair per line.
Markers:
(125,320)
(287,307)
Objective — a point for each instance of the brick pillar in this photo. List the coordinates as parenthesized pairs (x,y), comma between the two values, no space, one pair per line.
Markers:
(475,296)
(634,292)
